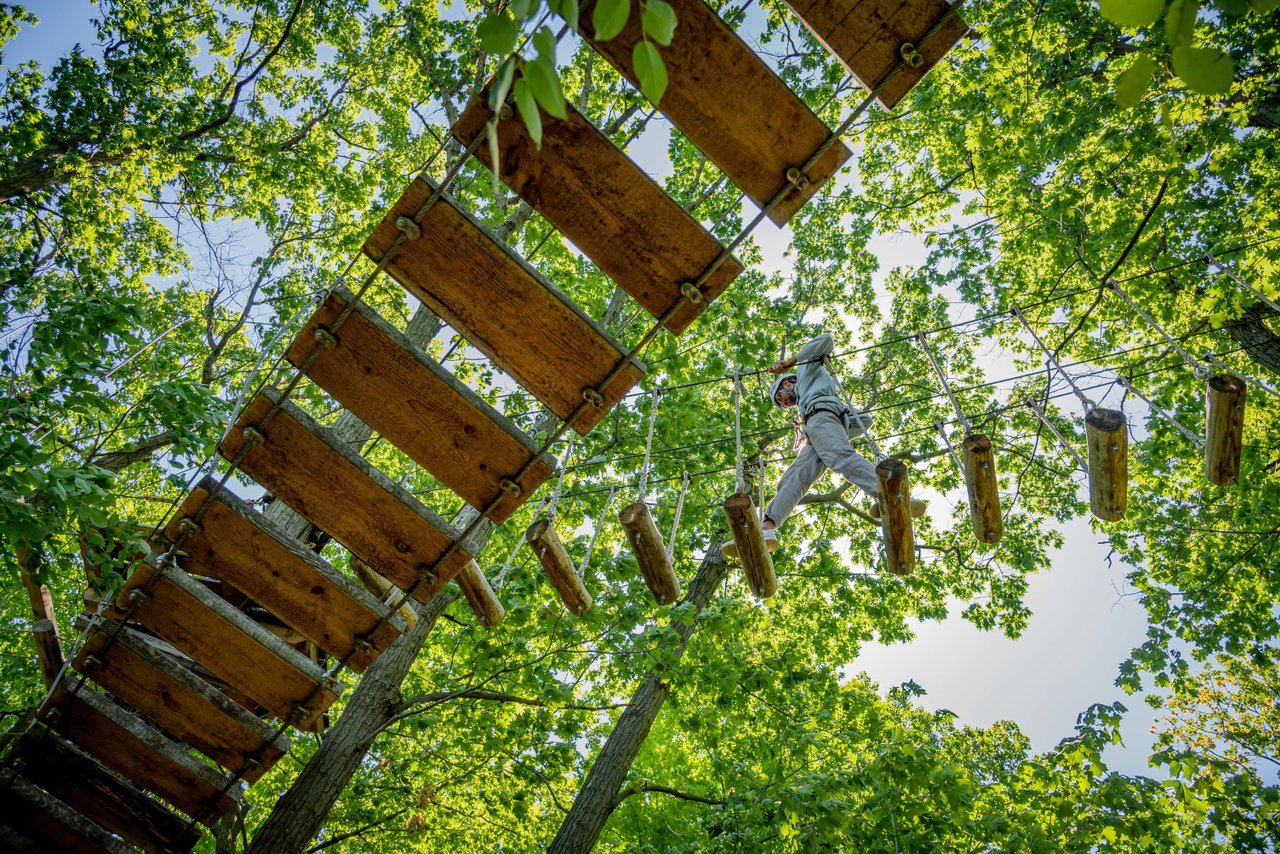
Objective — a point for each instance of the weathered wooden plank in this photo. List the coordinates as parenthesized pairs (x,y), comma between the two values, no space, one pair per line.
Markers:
(126,744)
(503,306)
(41,823)
(867,36)
(234,648)
(178,701)
(421,408)
(241,546)
(305,466)
(608,207)
(730,104)
(75,778)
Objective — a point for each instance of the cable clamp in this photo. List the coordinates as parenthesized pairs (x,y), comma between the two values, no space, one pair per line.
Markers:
(189,527)
(326,339)
(410,228)
(253,437)
(593,397)
(364,646)
(428,574)
(911,55)
(510,487)
(90,664)
(505,113)
(139,597)
(797,179)
(691,292)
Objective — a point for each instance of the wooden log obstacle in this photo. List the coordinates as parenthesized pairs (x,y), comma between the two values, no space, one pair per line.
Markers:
(651,553)
(983,488)
(170,645)
(1224,429)
(1107,435)
(895,515)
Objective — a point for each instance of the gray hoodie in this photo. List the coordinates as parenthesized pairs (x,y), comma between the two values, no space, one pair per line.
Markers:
(815,387)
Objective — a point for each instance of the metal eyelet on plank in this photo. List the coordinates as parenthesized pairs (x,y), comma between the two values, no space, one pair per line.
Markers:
(325,338)
(189,527)
(593,397)
(139,597)
(911,55)
(691,292)
(797,179)
(253,436)
(510,487)
(410,228)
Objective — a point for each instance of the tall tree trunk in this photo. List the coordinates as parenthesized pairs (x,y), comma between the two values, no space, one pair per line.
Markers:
(1251,332)
(599,795)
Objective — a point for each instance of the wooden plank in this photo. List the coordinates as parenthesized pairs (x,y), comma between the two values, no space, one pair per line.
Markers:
(235,543)
(75,778)
(503,306)
(233,647)
(376,519)
(421,408)
(42,823)
(142,754)
(730,104)
(866,36)
(178,701)
(608,207)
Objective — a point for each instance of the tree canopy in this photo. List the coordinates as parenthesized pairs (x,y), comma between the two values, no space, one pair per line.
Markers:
(177,194)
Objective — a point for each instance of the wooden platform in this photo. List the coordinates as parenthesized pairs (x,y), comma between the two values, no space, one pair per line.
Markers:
(240,546)
(126,744)
(35,822)
(178,701)
(866,36)
(607,206)
(731,105)
(304,465)
(73,777)
(233,647)
(481,288)
(421,408)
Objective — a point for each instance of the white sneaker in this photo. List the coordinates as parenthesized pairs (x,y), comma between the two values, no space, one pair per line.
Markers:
(730,549)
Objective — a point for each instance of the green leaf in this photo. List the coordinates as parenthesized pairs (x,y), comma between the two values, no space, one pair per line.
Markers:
(522,9)
(1131,13)
(545,41)
(659,21)
(498,34)
(1135,81)
(609,17)
(1180,22)
(569,11)
(529,111)
(650,69)
(545,85)
(1263,6)
(1205,70)
(1232,7)
(501,84)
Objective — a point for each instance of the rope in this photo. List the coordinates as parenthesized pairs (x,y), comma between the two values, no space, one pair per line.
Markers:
(739,470)
(675,522)
(555,493)
(591,544)
(924,345)
(1222,268)
(1201,371)
(1088,404)
(760,464)
(1213,360)
(1054,430)
(1195,440)
(648,445)
(946,440)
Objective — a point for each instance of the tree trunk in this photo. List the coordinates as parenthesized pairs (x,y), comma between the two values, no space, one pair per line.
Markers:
(599,795)
(1251,332)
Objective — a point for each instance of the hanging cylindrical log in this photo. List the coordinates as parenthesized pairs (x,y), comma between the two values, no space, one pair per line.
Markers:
(895,516)
(376,584)
(45,634)
(984,494)
(551,554)
(1224,431)
(744,525)
(651,552)
(479,595)
(1108,438)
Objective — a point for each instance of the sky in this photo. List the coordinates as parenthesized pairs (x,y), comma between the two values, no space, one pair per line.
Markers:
(1084,622)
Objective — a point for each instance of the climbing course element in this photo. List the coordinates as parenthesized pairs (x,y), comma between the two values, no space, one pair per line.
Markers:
(479,594)
(608,208)
(984,493)
(33,822)
(1224,429)
(873,38)
(421,408)
(748,536)
(542,538)
(303,464)
(503,306)
(1107,433)
(895,515)
(732,106)
(650,551)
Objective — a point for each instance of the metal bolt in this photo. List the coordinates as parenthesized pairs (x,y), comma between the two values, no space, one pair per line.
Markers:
(410,227)
(326,339)
(189,527)
(91,663)
(691,292)
(139,597)
(1115,446)
(253,436)
(53,715)
(991,535)
(428,573)
(910,55)
(797,179)
(593,397)
(510,487)
(364,646)
(505,112)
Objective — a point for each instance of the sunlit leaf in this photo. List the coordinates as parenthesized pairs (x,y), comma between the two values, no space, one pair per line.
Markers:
(528,107)
(609,17)
(1205,70)
(1131,13)
(1135,81)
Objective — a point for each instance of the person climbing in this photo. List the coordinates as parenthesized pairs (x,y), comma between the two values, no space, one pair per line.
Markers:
(824,424)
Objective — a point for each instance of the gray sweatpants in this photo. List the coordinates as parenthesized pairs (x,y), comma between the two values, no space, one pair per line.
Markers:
(828,448)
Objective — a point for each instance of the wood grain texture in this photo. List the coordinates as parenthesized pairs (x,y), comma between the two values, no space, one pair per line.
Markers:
(1107,434)
(73,777)
(239,545)
(757,563)
(651,553)
(984,490)
(40,823)
(1224,429)
(895,516)
(485,291)
(866,36)
(542,538)
(479,595)
(303,464)
(608,207)
(233,647)
(421,408)
(178,701)
(730,104)
(131,747)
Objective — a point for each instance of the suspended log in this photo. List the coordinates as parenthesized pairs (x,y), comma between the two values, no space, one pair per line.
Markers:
(1224,432)
(1108,438)
(551,554)
(748,536)
(383,589)
(45,630)
(650,551)
(984,494)
(479,595)
(895,516)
